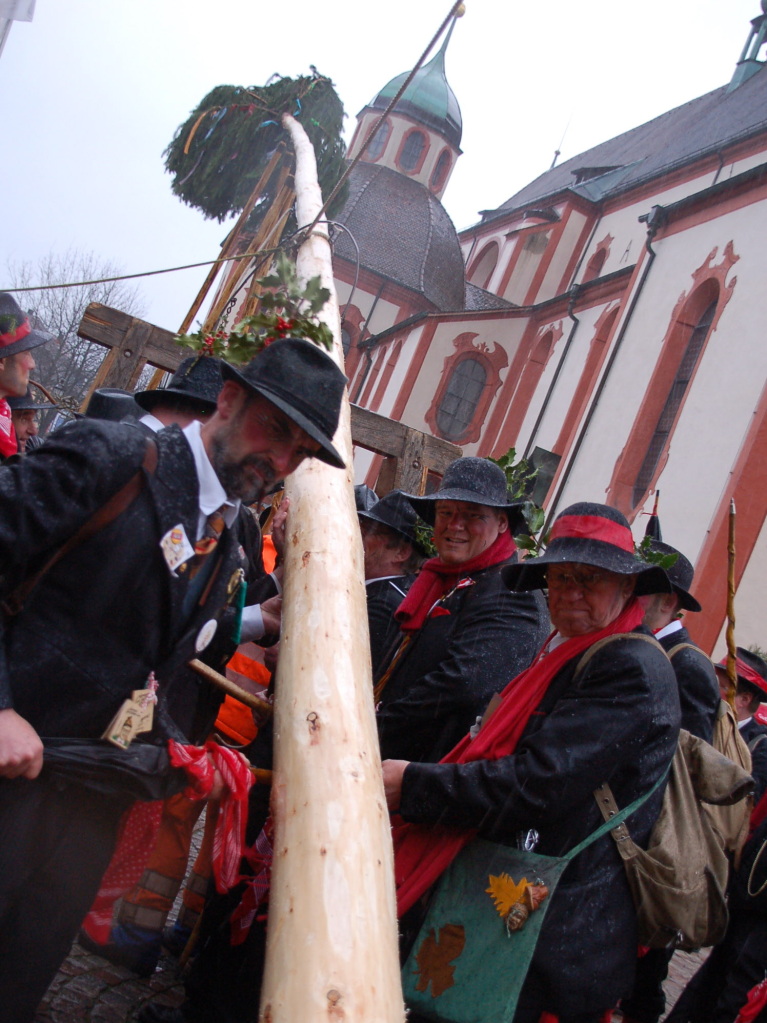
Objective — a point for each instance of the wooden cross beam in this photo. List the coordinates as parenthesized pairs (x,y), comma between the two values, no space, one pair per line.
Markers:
(409,455)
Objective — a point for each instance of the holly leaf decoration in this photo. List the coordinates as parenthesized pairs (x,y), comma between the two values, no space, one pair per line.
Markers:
(435,956)
(645,551)
(286,309)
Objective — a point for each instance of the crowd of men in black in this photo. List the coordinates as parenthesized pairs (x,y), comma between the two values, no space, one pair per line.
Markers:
(123,546)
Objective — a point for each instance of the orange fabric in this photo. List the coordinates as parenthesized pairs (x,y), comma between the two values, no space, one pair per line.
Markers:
(235,721)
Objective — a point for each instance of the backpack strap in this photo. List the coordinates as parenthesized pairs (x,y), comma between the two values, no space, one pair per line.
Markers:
(108,512)
(594,648)
(757,741)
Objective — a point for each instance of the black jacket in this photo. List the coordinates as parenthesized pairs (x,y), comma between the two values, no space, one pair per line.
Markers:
(699,696)
(455,663)
(755,735)
(110,611)
(384,596)
(618,722)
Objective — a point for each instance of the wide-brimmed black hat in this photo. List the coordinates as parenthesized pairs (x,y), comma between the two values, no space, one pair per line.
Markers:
(16,333)
(758,680)
(111,403)
(680,575)
(589,534)
(397,513)
(364,497)
(27,402)
(477,481)
(299,378)
(198,379)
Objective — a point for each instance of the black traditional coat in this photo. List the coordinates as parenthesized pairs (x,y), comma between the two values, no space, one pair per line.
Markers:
(617,722)
(699,696)
(111,611)
(484,636)
(384,596)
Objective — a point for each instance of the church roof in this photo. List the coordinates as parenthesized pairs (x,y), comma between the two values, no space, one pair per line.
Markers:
(678,137)
(428,99)
(403,233)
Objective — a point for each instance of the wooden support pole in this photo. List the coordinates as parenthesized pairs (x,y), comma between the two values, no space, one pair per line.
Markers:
(332,939)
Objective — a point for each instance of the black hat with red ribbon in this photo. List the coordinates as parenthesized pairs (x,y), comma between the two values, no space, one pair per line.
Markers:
(589,534)
(750,668)
(16,332)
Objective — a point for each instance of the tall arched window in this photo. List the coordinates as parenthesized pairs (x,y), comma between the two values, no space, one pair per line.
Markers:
(378,142)
(459,402)
(484,266)
(674,399)
(414,146)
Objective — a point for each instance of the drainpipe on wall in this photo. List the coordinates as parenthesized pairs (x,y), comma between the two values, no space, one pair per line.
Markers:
(574,292)
(655,219)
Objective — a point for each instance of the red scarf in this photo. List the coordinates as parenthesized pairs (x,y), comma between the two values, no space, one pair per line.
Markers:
(435,578)
(8,443)
(422,853)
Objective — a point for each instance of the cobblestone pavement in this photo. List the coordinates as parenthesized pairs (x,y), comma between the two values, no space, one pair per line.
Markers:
(88,988)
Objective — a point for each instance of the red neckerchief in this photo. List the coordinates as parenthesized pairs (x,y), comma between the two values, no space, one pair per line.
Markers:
(9,445)
(422,853)
(435,579)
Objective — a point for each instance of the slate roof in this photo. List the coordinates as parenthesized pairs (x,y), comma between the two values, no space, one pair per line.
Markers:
(404,233)
(678,137)
(479,298)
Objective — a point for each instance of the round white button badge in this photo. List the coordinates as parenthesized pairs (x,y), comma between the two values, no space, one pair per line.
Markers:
(205,635)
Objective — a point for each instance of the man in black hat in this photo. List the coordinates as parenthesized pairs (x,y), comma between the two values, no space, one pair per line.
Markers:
(699,701)
(24,412)
(599,704)
(135,598)
(392,557)
(750,694)
(698,688)
(17,339)
(463,633)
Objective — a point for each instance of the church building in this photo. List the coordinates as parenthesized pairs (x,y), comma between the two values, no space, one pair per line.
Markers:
(602,321)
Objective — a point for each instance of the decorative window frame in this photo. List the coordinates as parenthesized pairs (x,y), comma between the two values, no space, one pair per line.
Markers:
(493,360)
(440,183)
(366,156)
(709,282)
(478,261)
(424,152)
(599,257)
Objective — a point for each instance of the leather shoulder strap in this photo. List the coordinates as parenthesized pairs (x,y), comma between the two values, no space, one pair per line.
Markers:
(588,654)
(683,646)
(107,513)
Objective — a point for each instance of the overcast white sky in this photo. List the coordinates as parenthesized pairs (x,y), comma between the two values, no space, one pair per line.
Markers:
(92,90)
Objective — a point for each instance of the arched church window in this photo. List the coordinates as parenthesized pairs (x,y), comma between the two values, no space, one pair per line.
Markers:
(461,397)
(379,140)
(440,170)
(676,394)
(412,150)
(484,265)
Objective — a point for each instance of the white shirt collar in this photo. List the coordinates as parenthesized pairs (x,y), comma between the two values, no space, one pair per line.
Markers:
(212,495)
(667,630)
(152,422)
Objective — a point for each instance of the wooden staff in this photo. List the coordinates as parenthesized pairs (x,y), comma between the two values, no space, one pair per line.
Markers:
(263,707)
(732,650)
(332,935)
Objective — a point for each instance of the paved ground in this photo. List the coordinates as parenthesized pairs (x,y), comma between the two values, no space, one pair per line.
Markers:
(89,988)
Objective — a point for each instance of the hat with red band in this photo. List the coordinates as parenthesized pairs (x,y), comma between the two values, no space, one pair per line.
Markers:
(750,668)
(16,333)
(589,534)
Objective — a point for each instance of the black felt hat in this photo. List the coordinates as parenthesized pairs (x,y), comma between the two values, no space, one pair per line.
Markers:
(589,534)
(16,333)
(396,512)
(28,401)
(198,378)
(299,378)
(757,665)
(477,481)
(111,403)
(680,575)
(364,497)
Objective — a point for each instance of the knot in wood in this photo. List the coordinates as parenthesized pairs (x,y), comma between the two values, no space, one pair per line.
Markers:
(314,721)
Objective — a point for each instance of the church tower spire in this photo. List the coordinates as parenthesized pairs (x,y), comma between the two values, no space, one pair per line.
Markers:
(749,62)
(421,137)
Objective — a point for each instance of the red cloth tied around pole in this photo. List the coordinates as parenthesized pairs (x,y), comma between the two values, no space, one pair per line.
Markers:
(757,999)
(435,579)
(200,764)
(421,854)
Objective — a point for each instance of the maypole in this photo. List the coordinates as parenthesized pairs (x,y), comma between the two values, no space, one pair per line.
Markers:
(732,650)
(332,935)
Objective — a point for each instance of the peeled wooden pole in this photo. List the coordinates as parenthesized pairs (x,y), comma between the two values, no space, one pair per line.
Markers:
(732,650)
(332,933)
